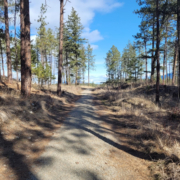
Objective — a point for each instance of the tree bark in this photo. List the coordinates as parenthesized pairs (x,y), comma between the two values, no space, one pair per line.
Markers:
(51,69)
(165,54)
(25,49)
(153,59)
(42,58)
(67,68)
(157,52)
(83,77)
(76,79)
(16,54)
(175,62)
(59,91)
(69,75)
(17,76)
(23,79)
(88,73)
(2,58)
(8,52)
(146,61)
(0,75)
(178,30)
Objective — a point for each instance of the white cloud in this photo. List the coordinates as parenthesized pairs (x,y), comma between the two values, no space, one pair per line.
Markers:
(92,36)
(86,10)
(33,38)
(94,46)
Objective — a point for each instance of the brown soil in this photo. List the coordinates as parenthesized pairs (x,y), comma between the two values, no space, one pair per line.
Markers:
(27,125)
(144,130)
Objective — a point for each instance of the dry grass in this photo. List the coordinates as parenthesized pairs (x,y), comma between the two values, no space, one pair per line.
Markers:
(151,131)
(26,125)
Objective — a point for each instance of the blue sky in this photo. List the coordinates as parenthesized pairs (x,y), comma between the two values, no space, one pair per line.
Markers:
(106,23)
(116,28)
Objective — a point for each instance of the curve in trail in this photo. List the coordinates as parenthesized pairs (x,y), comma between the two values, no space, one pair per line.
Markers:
(82,150)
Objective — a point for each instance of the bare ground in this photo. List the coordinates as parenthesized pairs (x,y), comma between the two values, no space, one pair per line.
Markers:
(84,149)
(27,125)
(145,130)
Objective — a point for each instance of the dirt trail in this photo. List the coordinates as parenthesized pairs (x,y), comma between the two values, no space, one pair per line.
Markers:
(82,149)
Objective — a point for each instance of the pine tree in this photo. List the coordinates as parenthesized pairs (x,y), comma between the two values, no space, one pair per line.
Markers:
(50,47)
(2,48)
(144,36)
(8,52)
(83,57)
(42,34)
(60,49)
(90,61)
(178,30)
(132,63)
(157,51)
(112,63)
(74,27)
(16,59)
(25,48)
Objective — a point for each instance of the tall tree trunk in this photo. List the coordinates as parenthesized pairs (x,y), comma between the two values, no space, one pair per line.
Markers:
(25,49)
(51,68)
(146,61)
(88,73)
(167,78)
(17,76)
(0,75)
(2,58)
(54,70)
(16,55)
(69,75)
(76,78)
(60,49)
(83,77)
(178,29)
(23,79)
(67,68)
(42,58)
(42,61)
(153,58)
(157,52)
(165,54)
(8,52)
(175,62)
(46,57)
(169,72)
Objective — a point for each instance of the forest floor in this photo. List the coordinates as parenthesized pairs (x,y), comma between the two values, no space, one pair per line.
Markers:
(27,125)
(145,130)
(107,135)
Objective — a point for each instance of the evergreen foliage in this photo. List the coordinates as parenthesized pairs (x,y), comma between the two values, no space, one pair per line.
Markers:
(113,61)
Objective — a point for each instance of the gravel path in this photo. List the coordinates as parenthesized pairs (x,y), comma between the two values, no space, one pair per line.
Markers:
(82,150)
